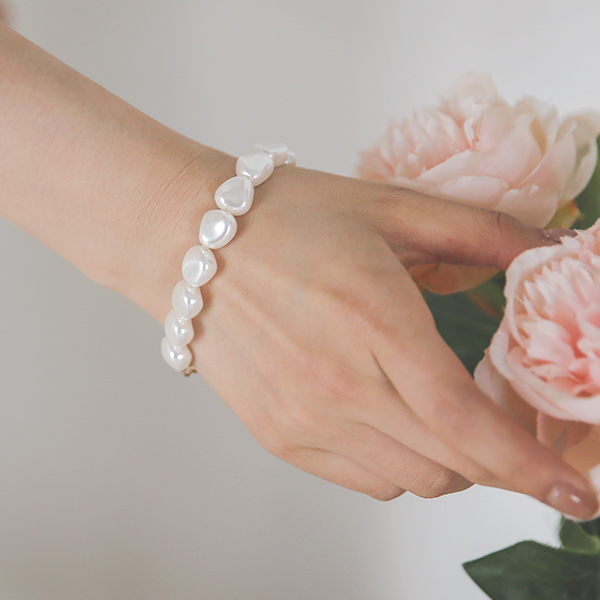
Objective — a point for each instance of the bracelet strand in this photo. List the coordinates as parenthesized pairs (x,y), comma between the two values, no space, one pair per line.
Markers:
(233,198)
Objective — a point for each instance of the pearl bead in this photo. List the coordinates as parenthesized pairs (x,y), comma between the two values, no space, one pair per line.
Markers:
(233,198)
(187,300)
(217,228)
(278,152)
(199,265)
(291,159)
(179,332)
(235,195)
(256,166)
(179,358)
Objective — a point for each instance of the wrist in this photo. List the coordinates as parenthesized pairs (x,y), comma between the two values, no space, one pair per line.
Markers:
(102,184)
(110,189)
(161,223)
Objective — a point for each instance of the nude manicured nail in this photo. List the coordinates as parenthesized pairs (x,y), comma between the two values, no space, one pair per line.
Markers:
(556,233)
(570,501)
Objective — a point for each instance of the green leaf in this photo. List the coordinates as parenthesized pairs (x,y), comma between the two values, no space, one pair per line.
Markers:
(489,295)
(465,327)
(574,537)
(532,571)
(591,527)
(588,202)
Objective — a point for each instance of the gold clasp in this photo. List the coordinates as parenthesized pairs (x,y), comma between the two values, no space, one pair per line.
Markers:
(189,370)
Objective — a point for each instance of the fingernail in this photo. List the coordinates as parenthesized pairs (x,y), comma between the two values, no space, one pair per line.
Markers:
(556,233)
(570,501)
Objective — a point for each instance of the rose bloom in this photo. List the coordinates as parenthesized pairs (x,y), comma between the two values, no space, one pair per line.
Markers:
(477,149)
(543,365)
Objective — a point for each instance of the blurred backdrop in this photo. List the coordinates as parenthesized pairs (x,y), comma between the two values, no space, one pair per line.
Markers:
(119,478)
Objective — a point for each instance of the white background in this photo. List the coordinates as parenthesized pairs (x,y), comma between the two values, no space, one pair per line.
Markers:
(120,479)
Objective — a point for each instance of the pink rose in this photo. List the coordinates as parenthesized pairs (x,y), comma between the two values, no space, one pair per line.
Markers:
(543,365)
(477,149)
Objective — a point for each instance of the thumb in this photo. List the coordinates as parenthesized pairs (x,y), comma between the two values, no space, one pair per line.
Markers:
(453,233)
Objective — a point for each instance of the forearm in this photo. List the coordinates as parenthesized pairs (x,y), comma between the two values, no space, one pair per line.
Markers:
(92,177)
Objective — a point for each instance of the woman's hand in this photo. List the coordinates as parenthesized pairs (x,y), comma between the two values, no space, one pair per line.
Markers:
(313,331)
(315,335)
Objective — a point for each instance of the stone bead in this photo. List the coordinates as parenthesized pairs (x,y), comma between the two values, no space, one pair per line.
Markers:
(178,358)
(217,228)
(199,265)
(256,166)
(179,332)
(187,300)
(278,152)
(235,195)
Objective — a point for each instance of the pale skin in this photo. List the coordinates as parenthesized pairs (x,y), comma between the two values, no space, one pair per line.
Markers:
(312,332)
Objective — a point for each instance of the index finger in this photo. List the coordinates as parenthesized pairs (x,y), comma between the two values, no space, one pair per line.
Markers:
(433,381)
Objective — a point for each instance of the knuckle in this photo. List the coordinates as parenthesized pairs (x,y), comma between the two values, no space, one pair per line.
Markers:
(489,218)
(434,484)
(472,471)
(390,311)
(480,476)
(506,224)
(374,315)
(358,303)
(378,329)
(385,494)
(459,484)
(366,318)
(509,236)
(273,442)
(493,220)
(390,208)
(284,450)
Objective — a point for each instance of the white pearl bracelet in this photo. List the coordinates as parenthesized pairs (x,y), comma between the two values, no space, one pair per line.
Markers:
(218,226)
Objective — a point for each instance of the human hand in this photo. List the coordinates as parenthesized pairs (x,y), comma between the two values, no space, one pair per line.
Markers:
(315,335)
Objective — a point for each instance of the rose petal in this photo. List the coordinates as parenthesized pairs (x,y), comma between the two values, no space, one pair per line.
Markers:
(496,124)
(477,149)
(585,134)
(556,168)
(514,155)
(475,190)
(469,96)
(546,124)
(491,382)
(530,204)
(459,165)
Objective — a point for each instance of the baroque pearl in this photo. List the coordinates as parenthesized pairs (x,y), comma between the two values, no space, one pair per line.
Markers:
(235,195)
(217,228)
(233,198)
(291,159)
(179,358)
(199,265)
(256,166)
(278,152)
(179,332)
(187,300)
